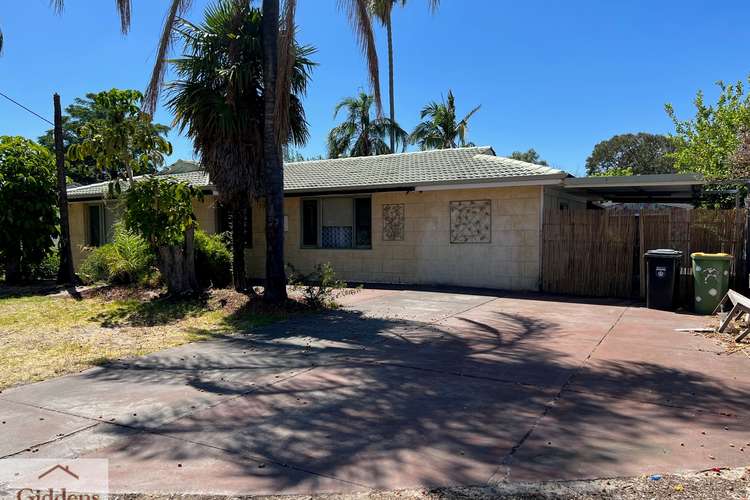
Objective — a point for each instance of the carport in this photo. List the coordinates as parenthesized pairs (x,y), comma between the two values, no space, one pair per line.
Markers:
(663,188)
(594,252)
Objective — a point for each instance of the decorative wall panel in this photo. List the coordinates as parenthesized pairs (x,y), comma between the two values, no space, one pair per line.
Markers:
(393,222)
(471,221)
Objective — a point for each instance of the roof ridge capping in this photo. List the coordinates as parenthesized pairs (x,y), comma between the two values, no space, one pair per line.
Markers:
(466,149)
(543,169)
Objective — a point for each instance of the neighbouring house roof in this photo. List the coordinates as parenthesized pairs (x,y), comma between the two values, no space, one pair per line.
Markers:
(441,167)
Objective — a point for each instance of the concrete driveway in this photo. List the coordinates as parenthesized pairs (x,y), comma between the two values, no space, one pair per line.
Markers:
(402,389)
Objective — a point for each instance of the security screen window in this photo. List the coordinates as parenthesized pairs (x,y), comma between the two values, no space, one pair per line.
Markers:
(337,222)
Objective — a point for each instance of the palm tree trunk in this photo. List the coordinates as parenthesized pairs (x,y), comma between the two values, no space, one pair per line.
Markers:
(391,98)
(65,272)
(275,289)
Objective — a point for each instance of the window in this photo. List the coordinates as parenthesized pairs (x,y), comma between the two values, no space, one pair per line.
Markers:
(337,222)
(310,223)
(95,225)
(224,223)
(99,222)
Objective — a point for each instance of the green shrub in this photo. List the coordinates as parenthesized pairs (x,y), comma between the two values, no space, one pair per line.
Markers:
(213,260)
(128,259)
(47,268)
(28,206)
(319,287)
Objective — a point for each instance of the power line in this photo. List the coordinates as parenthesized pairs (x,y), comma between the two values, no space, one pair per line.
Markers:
(27,109)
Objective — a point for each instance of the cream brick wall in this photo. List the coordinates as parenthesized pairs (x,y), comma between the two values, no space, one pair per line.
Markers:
(205,212)
(426,256)
(77,232)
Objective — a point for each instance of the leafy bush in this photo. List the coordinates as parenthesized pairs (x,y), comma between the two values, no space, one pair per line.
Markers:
(213,260)
(28,206)
(161,210)
(47,268)
(318,287)
(128,259)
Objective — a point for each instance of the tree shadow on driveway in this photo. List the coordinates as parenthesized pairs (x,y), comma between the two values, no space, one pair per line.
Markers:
(394,404)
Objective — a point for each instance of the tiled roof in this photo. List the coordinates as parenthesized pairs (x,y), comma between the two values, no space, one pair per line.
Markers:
(196,178)
(440,166)
(421,168)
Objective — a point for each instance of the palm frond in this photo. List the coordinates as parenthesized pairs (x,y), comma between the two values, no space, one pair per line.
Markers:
(123,10)
(358,12)
(58,6)
(176,9)
(219,98)
(465,119)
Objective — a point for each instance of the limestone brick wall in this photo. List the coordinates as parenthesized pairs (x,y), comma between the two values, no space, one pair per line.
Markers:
(510,260)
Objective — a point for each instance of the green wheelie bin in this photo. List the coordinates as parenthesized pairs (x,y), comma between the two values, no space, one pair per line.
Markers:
(711,278)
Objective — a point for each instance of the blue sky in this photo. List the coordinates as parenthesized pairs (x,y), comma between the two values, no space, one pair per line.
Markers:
(558,76)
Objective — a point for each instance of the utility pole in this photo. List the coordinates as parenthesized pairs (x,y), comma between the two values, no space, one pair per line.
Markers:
(65,273)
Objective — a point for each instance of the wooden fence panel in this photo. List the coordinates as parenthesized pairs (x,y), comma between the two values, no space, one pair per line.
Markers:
(580,247)
(599,253)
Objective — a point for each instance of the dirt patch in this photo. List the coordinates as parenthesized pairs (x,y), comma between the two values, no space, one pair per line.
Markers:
(707,485)
(726,339)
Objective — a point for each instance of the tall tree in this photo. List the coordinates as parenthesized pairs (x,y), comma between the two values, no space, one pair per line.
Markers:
(632,154)
(65,272)
(361,134)
(27,206)
(707,142)
(277,47)
(85,111)
(442,130)
(530,156)
(382,10)
(123,138)
(218,101)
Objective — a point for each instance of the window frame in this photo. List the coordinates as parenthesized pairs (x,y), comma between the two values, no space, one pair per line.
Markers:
(102,225)
(319,221)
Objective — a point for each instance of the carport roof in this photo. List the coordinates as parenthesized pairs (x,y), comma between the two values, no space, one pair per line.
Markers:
(661,188)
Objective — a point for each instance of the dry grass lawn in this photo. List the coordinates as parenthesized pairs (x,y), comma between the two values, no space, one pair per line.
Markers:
(47,336)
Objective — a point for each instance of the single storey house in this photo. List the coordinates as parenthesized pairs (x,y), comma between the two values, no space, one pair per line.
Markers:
(463,217)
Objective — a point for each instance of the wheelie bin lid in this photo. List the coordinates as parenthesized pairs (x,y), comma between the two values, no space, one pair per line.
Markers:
(711,256)
(664,252)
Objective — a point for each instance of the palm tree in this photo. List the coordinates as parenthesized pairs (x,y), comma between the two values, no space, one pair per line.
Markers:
(277,40)
(219,101)
(382,9)
(441,130)
(360,134)
(277,47)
